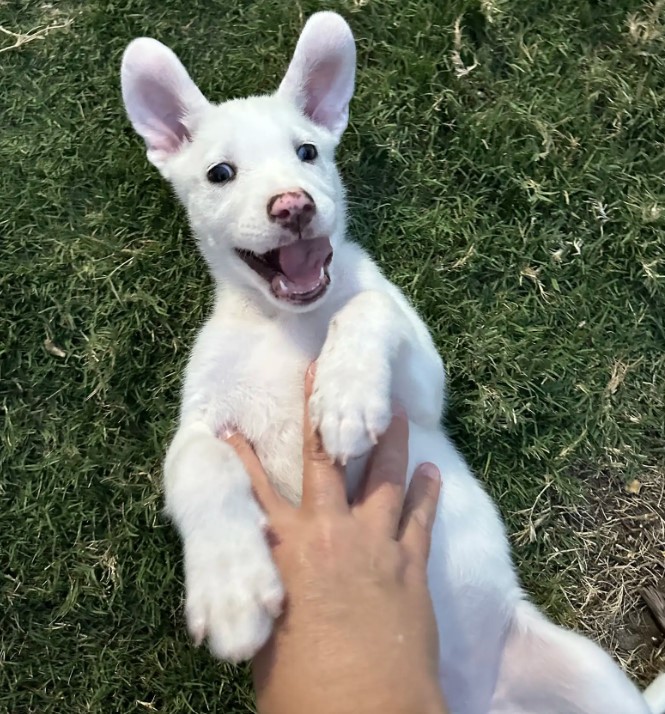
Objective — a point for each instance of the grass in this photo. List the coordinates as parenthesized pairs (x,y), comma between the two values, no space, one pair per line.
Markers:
(505,164)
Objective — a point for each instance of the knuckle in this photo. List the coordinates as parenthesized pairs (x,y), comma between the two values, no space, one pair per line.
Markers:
(324,536)
(387,510)
(426,495)
(423,519)
(317,455)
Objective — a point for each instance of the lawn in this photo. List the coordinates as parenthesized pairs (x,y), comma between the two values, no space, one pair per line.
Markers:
(505,163)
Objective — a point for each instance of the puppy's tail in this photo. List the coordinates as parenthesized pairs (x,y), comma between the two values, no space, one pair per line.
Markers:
(655,695)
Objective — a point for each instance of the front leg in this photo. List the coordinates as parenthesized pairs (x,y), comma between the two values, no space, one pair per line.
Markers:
(233,590)
(376,349)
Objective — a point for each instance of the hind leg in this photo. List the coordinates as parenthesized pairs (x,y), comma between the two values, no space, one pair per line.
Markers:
(548,670)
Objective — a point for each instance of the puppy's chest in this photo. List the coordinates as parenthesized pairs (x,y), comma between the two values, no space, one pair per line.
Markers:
(271,417)
(273,421)
(256,385)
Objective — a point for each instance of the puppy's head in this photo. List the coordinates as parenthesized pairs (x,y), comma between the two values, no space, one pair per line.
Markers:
(257,175)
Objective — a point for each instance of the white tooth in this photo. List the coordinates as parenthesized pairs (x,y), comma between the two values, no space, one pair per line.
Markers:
(322,273)
(282,285)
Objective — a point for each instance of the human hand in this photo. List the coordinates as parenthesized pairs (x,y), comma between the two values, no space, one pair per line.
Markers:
(358,633)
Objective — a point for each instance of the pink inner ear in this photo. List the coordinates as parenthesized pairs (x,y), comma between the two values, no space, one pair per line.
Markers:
(320,77)
(318,87)
(163,116)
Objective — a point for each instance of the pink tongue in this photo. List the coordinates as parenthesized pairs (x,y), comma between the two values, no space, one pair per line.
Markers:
(301,262)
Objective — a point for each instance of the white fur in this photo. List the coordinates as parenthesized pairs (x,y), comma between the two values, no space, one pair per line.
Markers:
(498,653)
(655,694)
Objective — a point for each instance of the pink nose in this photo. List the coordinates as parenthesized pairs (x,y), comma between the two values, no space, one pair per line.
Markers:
(292,209)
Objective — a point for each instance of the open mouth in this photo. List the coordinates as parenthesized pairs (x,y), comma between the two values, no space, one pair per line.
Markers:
(297,273)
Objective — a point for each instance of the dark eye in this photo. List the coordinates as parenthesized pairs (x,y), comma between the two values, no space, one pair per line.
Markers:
(307,152)
(221,173)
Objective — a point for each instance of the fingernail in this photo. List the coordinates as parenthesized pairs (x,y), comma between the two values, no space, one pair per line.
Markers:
(429,471)
(226,432)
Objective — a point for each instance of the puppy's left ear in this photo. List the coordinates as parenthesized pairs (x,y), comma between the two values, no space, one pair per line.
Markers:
(321,75)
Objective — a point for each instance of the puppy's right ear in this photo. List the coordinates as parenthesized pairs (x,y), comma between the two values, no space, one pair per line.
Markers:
(162,101)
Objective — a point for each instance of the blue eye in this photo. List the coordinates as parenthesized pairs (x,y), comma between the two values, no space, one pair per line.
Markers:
(221,173)
(307,152)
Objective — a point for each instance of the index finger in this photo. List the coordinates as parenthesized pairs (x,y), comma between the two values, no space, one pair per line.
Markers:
(324,481)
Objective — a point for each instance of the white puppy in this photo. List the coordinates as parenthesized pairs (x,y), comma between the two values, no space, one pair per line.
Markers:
(266,204)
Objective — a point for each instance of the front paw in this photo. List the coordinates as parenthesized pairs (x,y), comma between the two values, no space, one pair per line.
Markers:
(233,590)
(350,404)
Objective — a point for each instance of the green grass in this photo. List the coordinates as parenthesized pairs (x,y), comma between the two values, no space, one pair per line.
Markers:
(521,206)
